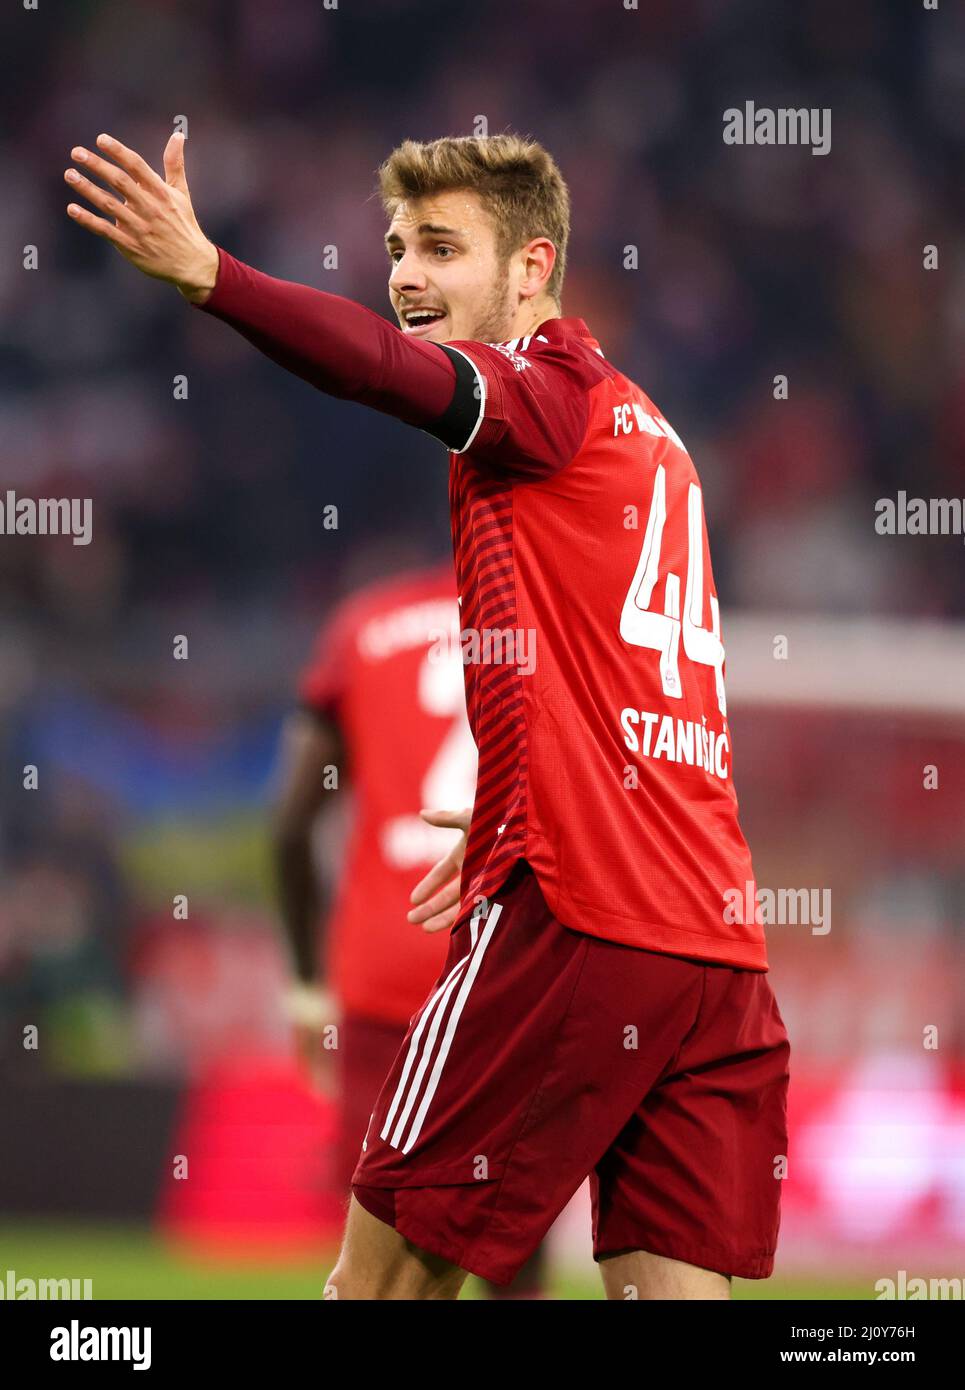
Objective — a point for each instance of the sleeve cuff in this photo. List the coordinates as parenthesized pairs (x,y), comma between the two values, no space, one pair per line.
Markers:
(226,278)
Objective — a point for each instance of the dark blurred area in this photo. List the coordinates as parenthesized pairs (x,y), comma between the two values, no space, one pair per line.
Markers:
(752,262)
(209,513)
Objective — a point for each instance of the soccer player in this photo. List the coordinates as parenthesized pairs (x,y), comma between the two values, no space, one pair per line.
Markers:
(600,1011)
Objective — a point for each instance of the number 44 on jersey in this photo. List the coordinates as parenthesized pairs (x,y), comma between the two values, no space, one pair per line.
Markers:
(645,626)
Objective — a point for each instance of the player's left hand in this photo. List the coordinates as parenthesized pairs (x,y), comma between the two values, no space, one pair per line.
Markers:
(437,897)
(153,226)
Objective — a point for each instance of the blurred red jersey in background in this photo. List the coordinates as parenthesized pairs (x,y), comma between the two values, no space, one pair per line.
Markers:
(386,673)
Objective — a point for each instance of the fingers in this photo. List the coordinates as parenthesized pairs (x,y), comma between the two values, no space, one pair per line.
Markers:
(174,162)
(116,178)
(96,195)
(439,817)
(454,820)
(437,897)
(439,874)
(442,922)
(441,902)
(100,226)
(138,168)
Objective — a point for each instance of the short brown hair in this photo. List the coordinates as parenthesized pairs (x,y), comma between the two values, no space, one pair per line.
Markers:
(516,179)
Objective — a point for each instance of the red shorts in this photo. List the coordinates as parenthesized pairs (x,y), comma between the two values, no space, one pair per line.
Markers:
(366,1051)
(544,1055)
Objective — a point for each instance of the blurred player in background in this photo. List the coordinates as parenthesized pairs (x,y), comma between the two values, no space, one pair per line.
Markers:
(382,716)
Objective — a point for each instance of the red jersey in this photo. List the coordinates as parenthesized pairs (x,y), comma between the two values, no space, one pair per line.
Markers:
(581,555)
(594,663)
(387,671)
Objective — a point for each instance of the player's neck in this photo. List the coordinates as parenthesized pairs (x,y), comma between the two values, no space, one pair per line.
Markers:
(530,315)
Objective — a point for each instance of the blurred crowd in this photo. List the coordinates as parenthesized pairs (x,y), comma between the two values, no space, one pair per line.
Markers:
(752,263)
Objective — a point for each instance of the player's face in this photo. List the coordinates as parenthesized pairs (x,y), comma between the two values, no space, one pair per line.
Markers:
(447,281)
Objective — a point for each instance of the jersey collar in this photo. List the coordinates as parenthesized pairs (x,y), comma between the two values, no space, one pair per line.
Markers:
(557,329)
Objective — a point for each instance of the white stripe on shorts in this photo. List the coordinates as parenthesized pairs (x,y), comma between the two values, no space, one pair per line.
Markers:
(457,1008)
(414,1044)
(428,1045)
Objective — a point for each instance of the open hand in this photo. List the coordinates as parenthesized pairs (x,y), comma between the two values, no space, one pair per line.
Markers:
(153,226)
(437,897)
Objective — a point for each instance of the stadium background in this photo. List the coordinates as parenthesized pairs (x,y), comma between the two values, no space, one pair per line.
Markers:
(154,774)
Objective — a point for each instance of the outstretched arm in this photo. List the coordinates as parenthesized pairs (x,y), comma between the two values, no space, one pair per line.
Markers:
(524,414)
(335,344)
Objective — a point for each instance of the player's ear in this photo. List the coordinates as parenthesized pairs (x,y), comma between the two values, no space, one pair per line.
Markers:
(174,162)
(539,260)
